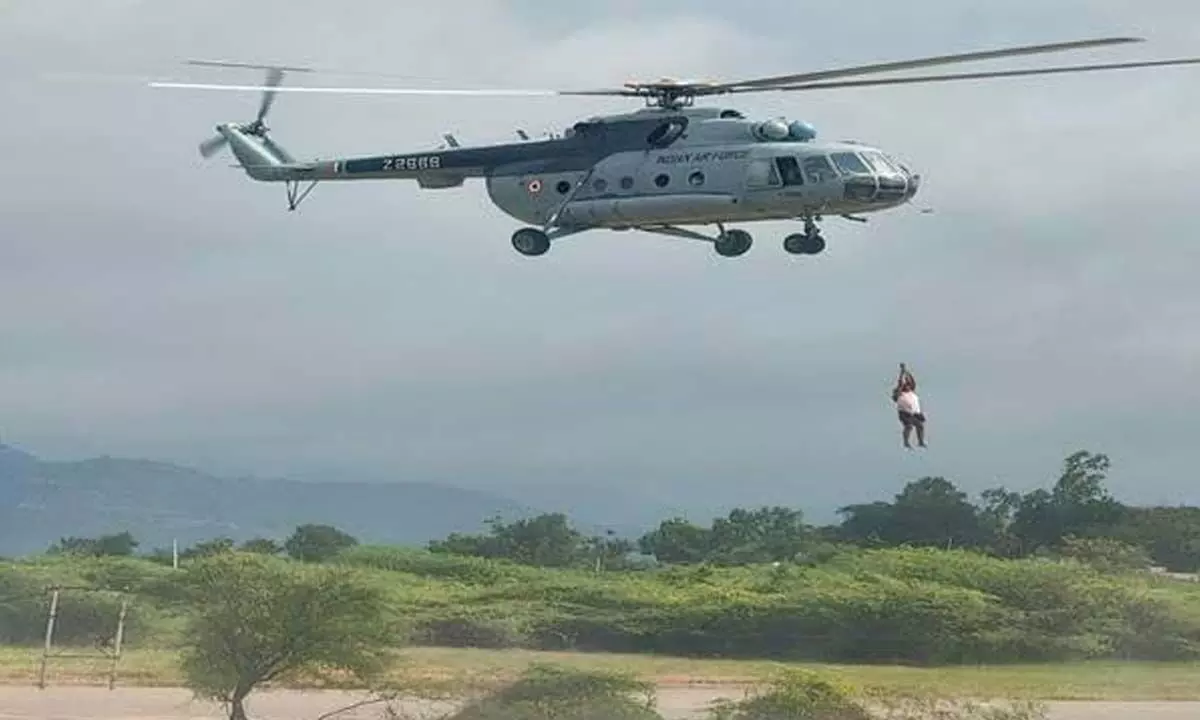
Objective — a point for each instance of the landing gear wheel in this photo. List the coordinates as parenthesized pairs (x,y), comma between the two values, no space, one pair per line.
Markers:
(732,243)
(800,244)
(530,241)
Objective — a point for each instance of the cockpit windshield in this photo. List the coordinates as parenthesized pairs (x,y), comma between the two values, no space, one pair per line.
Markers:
(850,163)
(882,164)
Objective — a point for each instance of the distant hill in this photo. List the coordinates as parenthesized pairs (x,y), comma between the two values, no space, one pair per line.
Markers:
(41,501)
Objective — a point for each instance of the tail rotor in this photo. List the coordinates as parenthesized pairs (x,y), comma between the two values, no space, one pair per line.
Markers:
(258,128)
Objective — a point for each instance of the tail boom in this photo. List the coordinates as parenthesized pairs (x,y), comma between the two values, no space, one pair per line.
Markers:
(266,161)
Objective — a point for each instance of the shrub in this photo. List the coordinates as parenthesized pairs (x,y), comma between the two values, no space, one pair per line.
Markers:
(793,695)
(548,693)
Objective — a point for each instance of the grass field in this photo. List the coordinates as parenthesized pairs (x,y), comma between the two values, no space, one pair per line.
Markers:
(448,668)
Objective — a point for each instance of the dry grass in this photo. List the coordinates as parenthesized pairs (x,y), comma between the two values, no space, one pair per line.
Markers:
(448,669)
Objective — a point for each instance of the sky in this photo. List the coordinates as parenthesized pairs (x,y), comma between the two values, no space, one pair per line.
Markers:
(153,304)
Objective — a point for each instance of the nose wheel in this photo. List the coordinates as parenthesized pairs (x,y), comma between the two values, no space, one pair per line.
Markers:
(801,244)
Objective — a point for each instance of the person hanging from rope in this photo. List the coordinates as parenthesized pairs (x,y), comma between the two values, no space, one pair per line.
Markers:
(908,407)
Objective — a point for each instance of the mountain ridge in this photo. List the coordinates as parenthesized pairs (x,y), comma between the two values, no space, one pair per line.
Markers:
(158,502)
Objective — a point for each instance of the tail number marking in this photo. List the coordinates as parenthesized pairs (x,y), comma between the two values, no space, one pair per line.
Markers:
(424,162)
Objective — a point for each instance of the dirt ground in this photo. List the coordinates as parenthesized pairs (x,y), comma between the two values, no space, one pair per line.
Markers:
(91,703)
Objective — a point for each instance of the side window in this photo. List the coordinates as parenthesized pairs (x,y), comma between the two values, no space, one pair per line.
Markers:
(789,170)
(761,173)
(818,170)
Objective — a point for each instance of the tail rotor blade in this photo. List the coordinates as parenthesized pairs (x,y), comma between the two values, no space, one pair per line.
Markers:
(212,146)
(274,78)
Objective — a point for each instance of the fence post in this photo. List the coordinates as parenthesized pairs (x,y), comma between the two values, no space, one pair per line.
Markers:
(116,656)
(49,638)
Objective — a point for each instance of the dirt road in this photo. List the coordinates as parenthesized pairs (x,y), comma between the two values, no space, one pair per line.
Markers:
(90,703)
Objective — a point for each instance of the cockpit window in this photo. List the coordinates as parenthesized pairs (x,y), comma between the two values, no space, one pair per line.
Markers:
(851,164)
(817,169)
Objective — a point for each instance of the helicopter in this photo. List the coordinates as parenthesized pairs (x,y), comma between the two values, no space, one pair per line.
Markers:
(665,168)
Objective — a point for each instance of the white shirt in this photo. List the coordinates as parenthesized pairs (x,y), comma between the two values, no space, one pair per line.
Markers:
(909,402)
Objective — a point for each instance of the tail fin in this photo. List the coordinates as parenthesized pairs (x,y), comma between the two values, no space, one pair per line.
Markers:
(261,157)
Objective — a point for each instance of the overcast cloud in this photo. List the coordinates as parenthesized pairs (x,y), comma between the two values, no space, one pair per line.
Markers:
(155,305)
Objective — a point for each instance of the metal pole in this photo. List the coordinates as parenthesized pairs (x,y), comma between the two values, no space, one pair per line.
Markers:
(112,673)
(175,553)
(49,638)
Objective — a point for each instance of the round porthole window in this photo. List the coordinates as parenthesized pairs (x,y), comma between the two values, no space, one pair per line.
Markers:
(600,185)
(563,187)
(662,180)
(696,179)
(626,183)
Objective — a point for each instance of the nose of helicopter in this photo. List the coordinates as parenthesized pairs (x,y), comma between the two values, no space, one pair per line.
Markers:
(914,184)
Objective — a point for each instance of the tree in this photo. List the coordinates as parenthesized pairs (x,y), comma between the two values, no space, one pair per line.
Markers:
(866,523)
(121,544)
(677,541)
(764,534)
(255,619)
(996,517)
(933,512)
(1082,479)
(262,546)
(767,534)
(205,548)
(609,551)
(930,511)
(547,540)
(1170,534)
(1077,505)
(317,543)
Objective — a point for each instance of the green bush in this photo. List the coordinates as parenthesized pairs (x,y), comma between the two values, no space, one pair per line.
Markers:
(470,570)
(922,606)
(804,695)
(793,695)
(466,629)
(549,693)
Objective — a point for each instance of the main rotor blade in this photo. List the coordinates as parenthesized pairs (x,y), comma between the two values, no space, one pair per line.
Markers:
(246,65)
(307,69)
(977,76)
(802,78)
(388,91)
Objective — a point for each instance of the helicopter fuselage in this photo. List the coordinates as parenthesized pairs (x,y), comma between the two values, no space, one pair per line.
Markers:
(655,167)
